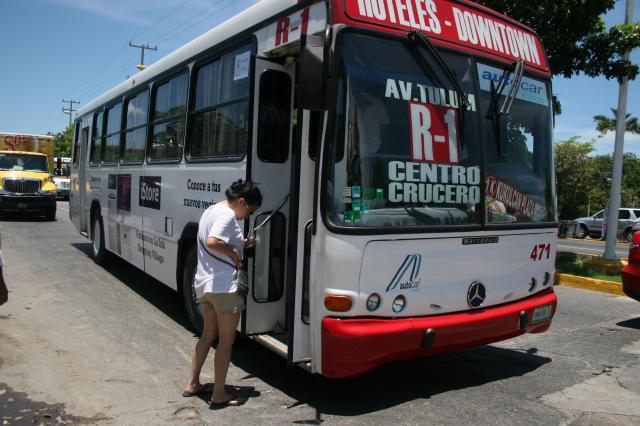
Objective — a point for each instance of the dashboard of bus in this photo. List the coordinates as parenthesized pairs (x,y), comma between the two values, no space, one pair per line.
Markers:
(410,147)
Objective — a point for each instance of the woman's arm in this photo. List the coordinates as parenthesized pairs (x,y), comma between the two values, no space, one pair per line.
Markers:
(227,249)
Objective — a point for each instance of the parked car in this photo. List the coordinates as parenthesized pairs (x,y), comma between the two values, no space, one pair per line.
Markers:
(631,272)
(592,225)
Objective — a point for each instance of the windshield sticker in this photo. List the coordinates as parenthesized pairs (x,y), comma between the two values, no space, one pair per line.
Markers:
(452,22)
(530,90)
(411,182)
(433,134)
(509,196)
(241,69)
(416,92)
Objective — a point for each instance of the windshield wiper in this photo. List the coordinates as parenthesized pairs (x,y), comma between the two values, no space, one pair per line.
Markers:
(518,70)
(419,38)
(494,113)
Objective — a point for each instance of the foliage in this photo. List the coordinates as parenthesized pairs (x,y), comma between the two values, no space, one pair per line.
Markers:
(606,124)
(574,35)
(575,176)
(630,189)
(62,142)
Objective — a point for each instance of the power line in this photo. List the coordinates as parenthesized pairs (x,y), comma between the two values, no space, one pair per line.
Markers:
(69,110)
(142,48)
(161,19)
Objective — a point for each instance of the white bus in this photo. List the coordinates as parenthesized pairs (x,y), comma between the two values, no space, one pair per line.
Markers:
(408,146)
(61,173)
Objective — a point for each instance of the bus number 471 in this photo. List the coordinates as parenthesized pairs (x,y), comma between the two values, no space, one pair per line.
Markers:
(539,251)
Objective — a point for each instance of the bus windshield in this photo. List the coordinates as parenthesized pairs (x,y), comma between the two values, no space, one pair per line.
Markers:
(24,162)
(405,153)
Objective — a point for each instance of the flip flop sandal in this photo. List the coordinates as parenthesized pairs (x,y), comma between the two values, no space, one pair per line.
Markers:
(206,388)
(231,402)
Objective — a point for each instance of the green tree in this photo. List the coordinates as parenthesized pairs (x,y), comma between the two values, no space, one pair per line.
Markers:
(62,142)
(574,35)
(606,124)
(630,190)
(575,176)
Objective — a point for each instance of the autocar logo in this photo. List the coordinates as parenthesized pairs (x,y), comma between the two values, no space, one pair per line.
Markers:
(476,294)
(408,274)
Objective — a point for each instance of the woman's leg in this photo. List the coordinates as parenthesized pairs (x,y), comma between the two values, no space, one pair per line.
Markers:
(227,329)
(209,335)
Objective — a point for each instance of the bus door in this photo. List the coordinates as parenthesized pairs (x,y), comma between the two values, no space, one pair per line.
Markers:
(77,192)
(270,168)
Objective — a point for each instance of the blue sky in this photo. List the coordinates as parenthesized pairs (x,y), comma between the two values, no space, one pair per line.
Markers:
(76,49)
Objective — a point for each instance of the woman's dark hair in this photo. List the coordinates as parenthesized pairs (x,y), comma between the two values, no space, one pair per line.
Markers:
(244,189)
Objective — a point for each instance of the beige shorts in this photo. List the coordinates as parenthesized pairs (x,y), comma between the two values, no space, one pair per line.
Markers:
(222,303)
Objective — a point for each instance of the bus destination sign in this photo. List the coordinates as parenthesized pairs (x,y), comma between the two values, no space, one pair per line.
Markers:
(453,22)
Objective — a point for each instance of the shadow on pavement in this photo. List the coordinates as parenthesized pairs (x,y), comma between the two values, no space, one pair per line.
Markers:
(630,323)
(153,291)
(387,386)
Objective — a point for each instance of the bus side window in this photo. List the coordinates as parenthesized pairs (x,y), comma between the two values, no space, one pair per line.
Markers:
(76,144)
(274,117)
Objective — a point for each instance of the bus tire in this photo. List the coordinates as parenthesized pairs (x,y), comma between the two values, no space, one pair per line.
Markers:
(51,213)
(98,250)
(189,298)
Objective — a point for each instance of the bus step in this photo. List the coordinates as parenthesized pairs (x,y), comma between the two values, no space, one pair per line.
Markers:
(272,343)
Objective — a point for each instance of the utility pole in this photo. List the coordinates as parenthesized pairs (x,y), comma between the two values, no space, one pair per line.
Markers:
(618,151)
(70,110)
(142,48)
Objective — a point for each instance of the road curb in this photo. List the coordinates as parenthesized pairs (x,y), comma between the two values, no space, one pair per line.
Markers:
(592,284)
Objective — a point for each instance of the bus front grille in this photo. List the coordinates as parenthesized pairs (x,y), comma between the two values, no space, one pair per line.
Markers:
(21,186)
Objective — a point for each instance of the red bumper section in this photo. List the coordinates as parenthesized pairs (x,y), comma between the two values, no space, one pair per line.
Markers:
(351,347)
(631,281)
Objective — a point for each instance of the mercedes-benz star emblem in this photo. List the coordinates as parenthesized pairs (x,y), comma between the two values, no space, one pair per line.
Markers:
(476,294)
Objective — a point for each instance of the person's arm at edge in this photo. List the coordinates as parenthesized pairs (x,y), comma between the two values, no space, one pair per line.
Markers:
(4,293)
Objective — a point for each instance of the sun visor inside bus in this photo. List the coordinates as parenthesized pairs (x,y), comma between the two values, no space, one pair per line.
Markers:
(312,73)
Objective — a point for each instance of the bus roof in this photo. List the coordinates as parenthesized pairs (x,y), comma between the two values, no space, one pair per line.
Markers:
(258,13)
(463,24)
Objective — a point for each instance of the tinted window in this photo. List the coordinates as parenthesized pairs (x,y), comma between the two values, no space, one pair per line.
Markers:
(96,140)
(171,98)
(136,133)
(624,214)
(112,139)
(169,116)
(274,116)
(220,117)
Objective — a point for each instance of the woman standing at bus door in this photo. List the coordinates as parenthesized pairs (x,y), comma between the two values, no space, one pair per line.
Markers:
(220,244)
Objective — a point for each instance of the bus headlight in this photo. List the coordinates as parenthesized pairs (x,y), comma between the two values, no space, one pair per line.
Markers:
(373,302)
(399,304)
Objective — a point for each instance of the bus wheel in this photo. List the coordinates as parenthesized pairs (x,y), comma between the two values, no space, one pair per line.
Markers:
(189,297)
(98,251)
(51,213)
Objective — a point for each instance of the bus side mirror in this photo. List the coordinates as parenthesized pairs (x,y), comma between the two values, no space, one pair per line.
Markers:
(58,163)
(312,82)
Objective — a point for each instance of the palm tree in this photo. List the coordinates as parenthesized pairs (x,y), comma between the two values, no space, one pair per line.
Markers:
(605,124)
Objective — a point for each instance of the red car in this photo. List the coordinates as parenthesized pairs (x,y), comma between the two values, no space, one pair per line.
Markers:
(631,272)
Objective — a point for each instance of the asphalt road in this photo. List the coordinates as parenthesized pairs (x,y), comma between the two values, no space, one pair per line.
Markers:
(591,246)
(91,345)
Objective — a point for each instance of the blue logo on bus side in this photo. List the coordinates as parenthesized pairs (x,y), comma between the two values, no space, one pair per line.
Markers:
(411,265)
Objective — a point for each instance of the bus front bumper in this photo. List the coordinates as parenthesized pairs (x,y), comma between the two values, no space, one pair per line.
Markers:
(351,347)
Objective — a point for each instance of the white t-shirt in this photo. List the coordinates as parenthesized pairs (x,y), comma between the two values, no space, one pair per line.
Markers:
(212,275)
